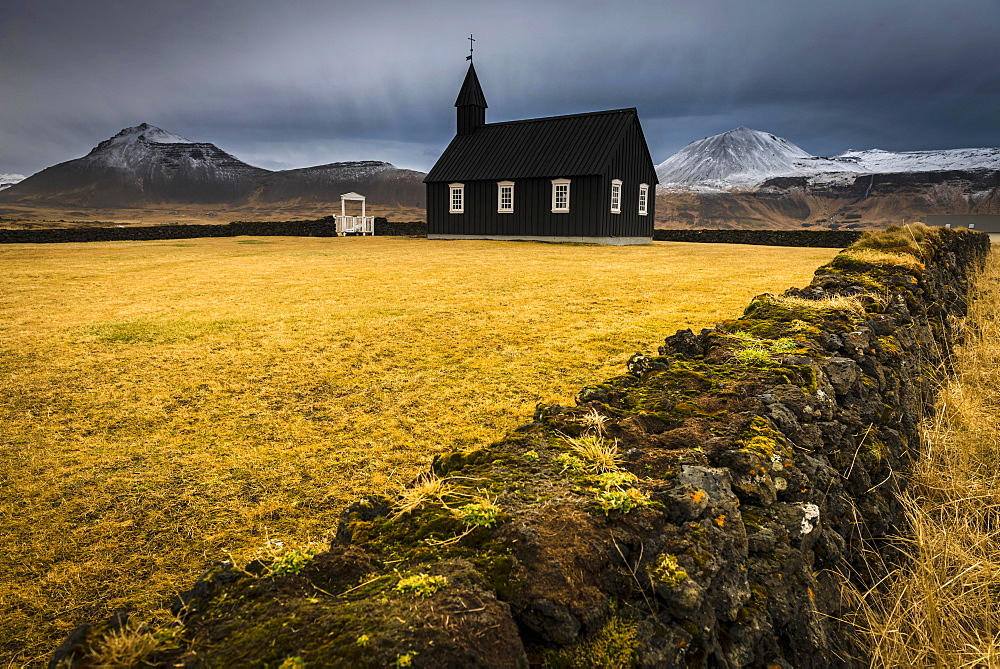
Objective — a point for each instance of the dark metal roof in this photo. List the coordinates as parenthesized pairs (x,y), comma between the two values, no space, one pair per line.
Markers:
(556,146)
(472,92)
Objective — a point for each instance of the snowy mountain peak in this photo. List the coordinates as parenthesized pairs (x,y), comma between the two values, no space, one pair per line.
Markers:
(742,157)
(144,132)
(140,148)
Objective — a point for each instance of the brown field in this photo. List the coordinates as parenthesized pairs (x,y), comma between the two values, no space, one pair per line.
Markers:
(166,404)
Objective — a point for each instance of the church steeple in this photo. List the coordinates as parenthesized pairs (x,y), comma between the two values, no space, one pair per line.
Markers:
(471,104)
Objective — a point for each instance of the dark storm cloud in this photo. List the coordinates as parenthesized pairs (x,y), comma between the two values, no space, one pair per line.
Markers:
(297,83)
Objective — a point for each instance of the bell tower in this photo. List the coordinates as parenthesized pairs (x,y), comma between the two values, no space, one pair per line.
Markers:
(471,104)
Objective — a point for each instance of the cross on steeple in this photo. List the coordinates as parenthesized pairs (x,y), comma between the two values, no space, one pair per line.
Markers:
(469,57)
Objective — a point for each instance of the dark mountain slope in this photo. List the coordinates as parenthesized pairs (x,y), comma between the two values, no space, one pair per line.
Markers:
(146,165)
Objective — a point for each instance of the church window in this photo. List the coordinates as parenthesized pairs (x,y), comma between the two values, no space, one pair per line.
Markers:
(457,205)
(560,196)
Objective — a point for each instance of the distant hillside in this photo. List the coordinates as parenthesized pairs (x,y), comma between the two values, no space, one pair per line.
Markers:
(146,165)
(382,183)
(748,178)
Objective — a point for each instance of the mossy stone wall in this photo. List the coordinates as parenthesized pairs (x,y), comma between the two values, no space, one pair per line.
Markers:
(703,509)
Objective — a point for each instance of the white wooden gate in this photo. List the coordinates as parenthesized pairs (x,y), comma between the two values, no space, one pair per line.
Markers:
(356,225)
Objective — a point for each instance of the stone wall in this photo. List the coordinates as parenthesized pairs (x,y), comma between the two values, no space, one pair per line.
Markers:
(323,227)
(399,229)
(703,509)
(837,239)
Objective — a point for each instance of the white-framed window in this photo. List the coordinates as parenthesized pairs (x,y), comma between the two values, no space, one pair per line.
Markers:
(643,199)
(560,196)
(616,196)
(457,199)
(505,197)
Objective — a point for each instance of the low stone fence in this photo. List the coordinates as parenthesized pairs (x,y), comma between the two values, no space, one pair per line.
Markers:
(837,239)
(399,229)
(323,227)
(703,509)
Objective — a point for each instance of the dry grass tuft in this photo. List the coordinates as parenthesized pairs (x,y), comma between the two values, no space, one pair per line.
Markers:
(594,421)
(942,608)
(597,453)
(848,303)
(166,404)
(885,257)
(895,240)
(426,489)
(129,646)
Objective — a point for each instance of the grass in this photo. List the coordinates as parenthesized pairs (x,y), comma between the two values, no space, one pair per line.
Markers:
(165,406)
(942,608)
(850,304)
(597,454)
(128,646)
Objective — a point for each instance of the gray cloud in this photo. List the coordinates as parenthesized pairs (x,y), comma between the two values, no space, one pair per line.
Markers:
(299,83)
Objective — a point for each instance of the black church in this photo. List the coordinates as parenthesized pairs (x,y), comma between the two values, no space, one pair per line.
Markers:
(582,178)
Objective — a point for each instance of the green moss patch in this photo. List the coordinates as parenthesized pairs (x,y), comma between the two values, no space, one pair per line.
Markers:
(614,645)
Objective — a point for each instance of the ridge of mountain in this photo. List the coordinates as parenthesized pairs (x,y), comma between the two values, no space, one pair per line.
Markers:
(145,164)
(746,159)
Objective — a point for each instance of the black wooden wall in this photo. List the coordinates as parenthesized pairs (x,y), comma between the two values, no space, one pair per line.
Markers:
(631,164)
(532,210)
(590,201)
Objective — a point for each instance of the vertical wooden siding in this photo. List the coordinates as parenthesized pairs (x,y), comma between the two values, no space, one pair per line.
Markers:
(590,202)
(532,210)
(631,164)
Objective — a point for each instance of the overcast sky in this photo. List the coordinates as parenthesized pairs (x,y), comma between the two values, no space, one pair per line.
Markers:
(298,83)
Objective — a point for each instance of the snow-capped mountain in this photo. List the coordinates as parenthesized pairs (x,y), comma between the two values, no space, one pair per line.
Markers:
(744,159)
(8,180)
(749,178)
(740,157)
(145,164)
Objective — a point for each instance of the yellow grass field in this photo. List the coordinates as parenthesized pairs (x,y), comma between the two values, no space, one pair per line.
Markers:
(166,404)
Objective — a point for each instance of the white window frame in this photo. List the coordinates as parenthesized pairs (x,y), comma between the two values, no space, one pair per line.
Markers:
(555,183)
(452,200)
(643,199)
(501,209)
(616,196)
